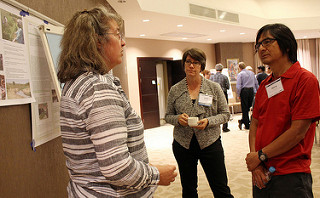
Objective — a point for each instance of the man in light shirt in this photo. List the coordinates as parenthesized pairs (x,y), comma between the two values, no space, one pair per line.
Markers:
(247,86)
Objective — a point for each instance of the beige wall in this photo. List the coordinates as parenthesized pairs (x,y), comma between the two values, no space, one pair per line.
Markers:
(157,48)
(248,55)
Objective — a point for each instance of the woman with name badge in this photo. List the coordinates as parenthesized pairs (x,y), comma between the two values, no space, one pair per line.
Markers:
(102,135)
(197,107)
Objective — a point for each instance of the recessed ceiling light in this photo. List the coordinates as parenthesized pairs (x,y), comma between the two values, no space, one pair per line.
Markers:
(209,39)
(184,38)
(145,20)
(142,35)
(180,25)
(242,33)
(305,36)
(222,30)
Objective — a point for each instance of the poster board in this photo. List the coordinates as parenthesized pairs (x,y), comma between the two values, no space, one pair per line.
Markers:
(225,72)
(45,111)
(232,65)
(25,73)
(51,38)
(15,80)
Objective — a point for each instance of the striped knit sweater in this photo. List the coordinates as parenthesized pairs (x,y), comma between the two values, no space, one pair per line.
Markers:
(103,140)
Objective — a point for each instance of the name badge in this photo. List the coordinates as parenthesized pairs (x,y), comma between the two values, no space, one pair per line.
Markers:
(205,100)
(274,88)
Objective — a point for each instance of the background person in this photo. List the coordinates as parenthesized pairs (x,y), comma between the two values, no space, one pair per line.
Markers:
(249,68)
(261,74)
(247,86)
(282,130)
(268,70)
(195,96)
(102,135)
(223,81)
(206,74)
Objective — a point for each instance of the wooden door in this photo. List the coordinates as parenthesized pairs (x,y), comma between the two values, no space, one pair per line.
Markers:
(175,72)
(148,91)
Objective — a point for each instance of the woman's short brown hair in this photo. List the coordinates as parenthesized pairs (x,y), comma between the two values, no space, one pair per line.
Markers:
(79,43)
(196,54)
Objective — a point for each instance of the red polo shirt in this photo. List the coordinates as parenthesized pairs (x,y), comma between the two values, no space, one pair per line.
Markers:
(300,100)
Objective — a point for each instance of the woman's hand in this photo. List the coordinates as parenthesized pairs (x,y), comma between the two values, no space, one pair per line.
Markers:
(183,119)
(167,174)
(202,124)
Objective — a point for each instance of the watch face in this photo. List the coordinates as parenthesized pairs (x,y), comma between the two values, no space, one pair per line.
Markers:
(262,157)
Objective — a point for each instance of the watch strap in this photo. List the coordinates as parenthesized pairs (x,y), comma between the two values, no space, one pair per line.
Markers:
(262,156)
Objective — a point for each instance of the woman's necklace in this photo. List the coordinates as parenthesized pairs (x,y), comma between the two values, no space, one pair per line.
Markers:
(193,89)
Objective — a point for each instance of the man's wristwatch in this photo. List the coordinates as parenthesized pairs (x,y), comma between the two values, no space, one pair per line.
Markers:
(262,156)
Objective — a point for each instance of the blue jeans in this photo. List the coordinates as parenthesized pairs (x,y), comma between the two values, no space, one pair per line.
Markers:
(286,186)
(212,161)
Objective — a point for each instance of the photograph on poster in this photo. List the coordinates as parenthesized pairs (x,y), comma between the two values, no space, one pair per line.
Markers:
(18,88)
(43,111)
(12,27)
(1,62)
(2,88)
(232,65)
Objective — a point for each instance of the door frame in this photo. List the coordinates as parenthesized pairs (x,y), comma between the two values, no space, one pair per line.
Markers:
(155,59)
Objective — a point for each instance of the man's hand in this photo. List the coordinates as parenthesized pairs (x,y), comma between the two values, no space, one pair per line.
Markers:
(252,160)
(259,177)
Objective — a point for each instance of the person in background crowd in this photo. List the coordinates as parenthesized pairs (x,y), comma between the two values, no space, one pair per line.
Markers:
(249,68)
(195,96)
(268,70)
(261,74)
(223,81)
(287,107)
(247,86)
(102,135)
(206,74)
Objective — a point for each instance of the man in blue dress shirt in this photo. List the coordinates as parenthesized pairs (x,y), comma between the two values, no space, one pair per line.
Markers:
(247,86)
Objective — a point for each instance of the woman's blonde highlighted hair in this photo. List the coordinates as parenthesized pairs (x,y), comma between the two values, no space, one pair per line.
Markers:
(79,44)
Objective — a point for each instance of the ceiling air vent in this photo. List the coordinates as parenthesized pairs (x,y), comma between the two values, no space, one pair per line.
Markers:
(228,16)
(202,11)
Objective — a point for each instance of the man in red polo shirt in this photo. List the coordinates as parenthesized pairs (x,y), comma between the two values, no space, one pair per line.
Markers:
(287,106)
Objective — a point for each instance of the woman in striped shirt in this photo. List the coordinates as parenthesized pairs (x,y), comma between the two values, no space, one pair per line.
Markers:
(102,135)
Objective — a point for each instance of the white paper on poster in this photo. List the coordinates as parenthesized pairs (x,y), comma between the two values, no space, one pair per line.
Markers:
(45,110)
(15,80)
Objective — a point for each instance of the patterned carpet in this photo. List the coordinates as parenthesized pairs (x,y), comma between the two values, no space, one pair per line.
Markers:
(235,143)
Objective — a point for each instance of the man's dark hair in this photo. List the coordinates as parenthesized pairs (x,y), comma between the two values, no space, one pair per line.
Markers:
(262,68)
(284,37)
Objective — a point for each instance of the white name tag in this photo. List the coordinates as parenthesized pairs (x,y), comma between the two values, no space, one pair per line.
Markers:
(274,88)
(205,100)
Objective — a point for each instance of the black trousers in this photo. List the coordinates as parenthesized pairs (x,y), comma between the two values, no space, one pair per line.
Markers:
(286,186)
(246,96)
(225,125)
(212,161)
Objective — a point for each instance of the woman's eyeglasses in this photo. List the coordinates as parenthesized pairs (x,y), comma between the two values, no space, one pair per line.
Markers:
(195,63)
(118,34)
